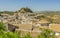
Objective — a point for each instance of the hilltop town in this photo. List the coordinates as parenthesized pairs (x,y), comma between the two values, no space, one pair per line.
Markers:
(25,20)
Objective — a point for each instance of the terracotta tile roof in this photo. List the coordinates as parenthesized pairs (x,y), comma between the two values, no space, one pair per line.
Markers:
(43,21)
(55,27)
(58,36)
(23,26)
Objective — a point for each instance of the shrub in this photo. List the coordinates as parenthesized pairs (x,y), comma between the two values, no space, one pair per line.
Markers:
(47,33)
(27,35)
(2,27)
(5,34)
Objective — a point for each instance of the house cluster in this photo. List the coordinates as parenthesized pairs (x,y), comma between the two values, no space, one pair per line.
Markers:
(26,22)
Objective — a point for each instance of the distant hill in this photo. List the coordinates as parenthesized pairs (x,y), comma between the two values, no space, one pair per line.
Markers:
(24,10)
(50,12)
(8,12)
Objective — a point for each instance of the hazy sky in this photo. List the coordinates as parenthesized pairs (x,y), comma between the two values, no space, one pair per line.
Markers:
(38,5)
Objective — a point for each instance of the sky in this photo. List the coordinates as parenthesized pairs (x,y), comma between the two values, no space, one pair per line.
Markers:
(35,5)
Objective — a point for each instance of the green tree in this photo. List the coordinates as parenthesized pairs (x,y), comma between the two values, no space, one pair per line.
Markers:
(9,35)
(2,26)
(47,33)
(27,35)
(5,34)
